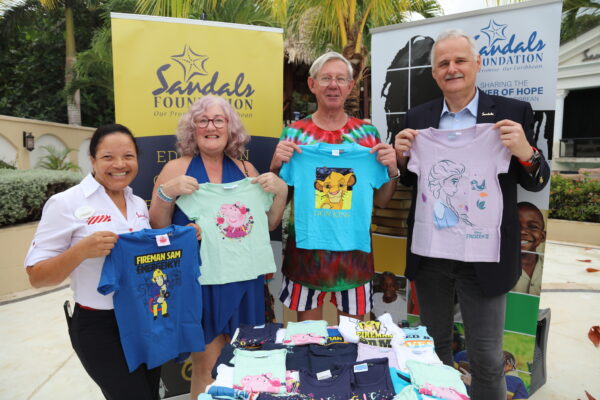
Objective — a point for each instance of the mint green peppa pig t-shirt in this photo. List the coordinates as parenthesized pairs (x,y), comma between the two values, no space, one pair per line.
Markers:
(235,232)
(259,370)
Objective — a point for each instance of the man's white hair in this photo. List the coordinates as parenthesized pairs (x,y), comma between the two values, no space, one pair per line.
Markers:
(325,58)
(453,33)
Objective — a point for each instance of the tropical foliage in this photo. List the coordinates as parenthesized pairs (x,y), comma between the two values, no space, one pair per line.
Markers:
(56,159)
(5,165)
(575,200)
(93,69)
(32,64)
(33,47)
(579,16)
(24,192)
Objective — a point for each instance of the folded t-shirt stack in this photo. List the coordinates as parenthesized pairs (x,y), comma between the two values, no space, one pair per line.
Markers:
(415,345)
(247,336)
(259,370)
(359,359)
(306,332)
(433,382)
(375,333)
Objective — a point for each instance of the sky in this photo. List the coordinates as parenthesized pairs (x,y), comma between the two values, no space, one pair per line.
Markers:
(458,6)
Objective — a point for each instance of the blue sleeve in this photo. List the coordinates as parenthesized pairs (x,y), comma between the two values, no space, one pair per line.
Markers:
(109,279)
(380,175)
(521,392)
(287,173)
(516,387)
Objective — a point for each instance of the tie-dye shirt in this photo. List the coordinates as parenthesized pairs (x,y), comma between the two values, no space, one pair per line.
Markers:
(320,269)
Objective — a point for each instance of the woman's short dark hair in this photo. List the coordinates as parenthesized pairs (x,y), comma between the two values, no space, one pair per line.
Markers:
(107,130)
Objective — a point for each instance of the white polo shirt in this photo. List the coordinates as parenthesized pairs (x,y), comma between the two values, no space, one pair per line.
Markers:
(74,214)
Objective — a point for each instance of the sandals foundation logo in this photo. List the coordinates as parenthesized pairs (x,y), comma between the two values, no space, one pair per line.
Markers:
(190,79)
(507,53)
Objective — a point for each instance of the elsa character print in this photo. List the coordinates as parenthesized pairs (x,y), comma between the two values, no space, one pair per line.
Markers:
(443,182)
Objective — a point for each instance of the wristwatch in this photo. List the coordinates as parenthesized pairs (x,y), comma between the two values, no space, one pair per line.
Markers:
(395,176)
(534,159)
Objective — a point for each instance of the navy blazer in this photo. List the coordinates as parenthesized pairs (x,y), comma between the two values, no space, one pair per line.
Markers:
(500,277)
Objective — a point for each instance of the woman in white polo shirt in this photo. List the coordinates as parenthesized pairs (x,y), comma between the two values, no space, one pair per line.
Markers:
(79,227)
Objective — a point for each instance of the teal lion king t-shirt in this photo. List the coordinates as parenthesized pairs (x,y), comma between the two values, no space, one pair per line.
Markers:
(333,195)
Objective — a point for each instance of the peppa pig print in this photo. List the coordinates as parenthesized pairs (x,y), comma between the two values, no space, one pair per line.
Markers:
(260,383)
(234,220)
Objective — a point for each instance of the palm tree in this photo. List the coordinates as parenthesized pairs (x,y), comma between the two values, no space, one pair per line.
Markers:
(249,12)
(73,100)
(56,159)
(578,17)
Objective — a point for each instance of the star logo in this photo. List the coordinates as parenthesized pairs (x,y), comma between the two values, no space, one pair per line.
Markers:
(191,62)
(494,32)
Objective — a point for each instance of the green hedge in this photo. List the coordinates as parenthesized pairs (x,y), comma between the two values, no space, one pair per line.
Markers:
(24,192)
(5,165)
(575,200)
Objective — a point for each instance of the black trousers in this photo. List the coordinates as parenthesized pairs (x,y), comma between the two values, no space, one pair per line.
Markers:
(95,338)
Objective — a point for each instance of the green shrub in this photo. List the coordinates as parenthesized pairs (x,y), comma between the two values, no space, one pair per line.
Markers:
(575,200)
(56,159)
(24,193)
(5,165)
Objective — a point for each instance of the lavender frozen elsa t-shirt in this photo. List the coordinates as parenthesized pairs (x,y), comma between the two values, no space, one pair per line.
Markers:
(459,201)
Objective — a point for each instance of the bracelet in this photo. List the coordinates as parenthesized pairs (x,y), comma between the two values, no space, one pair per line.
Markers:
(161,194)
(395,176)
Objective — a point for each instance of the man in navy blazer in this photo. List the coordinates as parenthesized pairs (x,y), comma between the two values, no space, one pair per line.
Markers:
(480,287)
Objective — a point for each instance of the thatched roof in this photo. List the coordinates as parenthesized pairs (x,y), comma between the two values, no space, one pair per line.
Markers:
(297,52)
(297,42)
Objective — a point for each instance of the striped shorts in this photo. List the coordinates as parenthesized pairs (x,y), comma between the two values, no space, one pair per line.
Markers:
(356,301)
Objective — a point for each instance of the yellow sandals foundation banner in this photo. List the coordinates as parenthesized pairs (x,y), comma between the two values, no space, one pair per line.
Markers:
(162,65)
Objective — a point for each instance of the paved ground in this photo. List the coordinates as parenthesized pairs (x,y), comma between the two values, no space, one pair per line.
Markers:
(38,362)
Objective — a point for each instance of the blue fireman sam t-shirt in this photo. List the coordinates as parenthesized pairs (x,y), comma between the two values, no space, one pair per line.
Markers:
(158,300)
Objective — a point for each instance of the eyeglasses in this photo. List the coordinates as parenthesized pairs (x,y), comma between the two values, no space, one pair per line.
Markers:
(217,122)
(326,80)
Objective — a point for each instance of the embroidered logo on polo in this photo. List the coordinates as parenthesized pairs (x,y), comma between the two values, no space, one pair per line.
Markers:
(96,219)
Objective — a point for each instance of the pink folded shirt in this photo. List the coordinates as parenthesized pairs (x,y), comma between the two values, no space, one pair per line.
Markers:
(442,393)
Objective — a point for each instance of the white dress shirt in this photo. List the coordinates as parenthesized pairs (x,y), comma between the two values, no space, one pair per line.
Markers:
(74,214)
